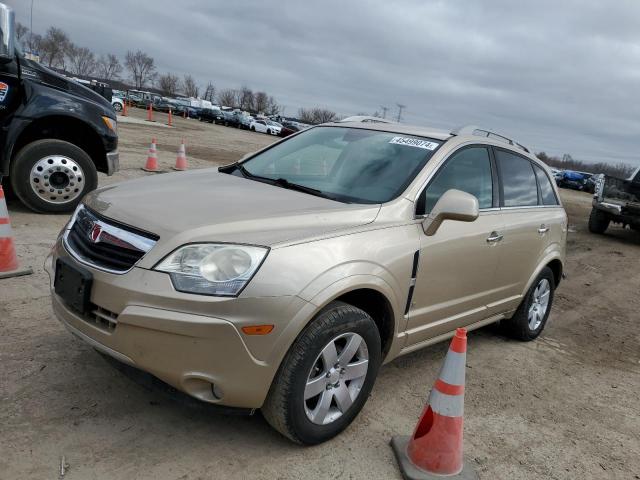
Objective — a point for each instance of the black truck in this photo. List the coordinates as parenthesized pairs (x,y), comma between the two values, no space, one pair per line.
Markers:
(55,134)
(615,200)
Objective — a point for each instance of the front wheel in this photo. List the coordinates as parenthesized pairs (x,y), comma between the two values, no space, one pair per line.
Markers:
(326,377)
(532,314)
(52,175)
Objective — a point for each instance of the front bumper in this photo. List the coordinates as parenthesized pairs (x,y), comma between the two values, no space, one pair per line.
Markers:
(113,162)
(190,350)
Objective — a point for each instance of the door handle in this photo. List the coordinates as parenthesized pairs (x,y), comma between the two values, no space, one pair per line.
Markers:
(494,237)
(543,229)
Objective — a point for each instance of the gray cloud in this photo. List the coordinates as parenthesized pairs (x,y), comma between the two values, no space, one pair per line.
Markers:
(559,76)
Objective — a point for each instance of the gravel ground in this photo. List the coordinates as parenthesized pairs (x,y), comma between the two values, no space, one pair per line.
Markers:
(566,406)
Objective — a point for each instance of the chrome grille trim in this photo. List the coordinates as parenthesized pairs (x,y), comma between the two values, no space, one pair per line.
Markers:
(100,244)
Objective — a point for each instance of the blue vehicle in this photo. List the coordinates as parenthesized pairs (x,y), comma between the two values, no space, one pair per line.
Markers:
(573,180)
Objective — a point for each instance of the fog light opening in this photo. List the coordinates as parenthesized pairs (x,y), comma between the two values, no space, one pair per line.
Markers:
(217,391)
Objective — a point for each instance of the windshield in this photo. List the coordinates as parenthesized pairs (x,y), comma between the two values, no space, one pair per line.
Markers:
(346,164)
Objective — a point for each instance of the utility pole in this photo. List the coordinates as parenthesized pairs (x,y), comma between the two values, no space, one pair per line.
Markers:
(400,108)
(384,111)
(31,31)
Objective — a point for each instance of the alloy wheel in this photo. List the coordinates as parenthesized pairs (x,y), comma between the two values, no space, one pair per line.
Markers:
(539,304)
(336,378)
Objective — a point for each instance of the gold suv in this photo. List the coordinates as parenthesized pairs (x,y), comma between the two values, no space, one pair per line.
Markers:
(283,281)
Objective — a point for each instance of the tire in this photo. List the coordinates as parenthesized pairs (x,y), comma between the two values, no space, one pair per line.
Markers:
(521,326)
(84,177)
(598,221)
(253,129)
(285,408)
(117,107)
(268,131)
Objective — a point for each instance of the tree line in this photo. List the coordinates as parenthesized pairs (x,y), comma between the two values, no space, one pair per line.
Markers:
(56,50)
(567,162)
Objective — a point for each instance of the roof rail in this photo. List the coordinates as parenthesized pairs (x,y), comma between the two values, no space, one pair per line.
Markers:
(483,132)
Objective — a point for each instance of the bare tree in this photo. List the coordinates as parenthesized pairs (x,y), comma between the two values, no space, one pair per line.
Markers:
(260,101)
(316,115)
(246,98)
(209,92)
(81,60)
(169,84)
(272,106)
(53,47)
(141,66)
(190,87)
(227,97)
(21,31)
(33,42)
(108,67)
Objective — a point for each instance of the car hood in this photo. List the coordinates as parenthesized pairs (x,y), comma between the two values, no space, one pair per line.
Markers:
(206,205)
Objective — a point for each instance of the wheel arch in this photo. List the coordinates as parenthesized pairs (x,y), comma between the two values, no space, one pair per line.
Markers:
(68,129)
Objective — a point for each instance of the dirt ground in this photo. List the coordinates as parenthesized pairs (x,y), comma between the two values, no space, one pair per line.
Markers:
(566,406)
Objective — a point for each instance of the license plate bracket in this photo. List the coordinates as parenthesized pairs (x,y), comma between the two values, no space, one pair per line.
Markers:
(73,285)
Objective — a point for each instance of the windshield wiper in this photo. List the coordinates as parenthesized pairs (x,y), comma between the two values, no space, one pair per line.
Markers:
(283,182)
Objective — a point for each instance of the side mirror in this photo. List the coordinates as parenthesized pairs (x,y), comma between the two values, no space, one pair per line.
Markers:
(453,205)
(7,33)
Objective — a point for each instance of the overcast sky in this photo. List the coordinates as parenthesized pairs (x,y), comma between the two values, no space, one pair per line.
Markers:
(560,76)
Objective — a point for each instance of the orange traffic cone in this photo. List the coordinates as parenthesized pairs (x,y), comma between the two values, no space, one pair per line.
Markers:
(169,121)
(8,257)
(181,161)
(152,158)
(435,449)
(124,109)
(150,112)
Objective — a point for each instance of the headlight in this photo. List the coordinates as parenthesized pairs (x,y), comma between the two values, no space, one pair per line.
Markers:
(212,269)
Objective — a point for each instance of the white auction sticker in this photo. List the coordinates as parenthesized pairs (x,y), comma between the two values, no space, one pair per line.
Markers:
(414,142)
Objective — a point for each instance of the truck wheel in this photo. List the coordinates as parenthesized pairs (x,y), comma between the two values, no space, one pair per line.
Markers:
(598,221)
(326,376)
(532,314)
(52,175)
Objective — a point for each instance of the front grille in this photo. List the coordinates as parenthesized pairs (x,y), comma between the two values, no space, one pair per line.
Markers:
(106,244)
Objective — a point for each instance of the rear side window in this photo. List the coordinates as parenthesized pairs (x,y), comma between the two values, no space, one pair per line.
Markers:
(546,190)
(518,180)
(468,170)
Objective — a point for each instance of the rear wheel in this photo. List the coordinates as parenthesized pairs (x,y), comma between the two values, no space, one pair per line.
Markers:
(52,175)
(598,221)
(532,314)
(326,377)
(117,107)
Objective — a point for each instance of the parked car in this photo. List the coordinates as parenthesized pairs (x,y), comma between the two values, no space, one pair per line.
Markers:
(616,200)
(337,250)
(164,106)
(265,126)
(117,104)
(289,128)
(211,115)
(230,119)
(244,121)
(572,180)
(590,184)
